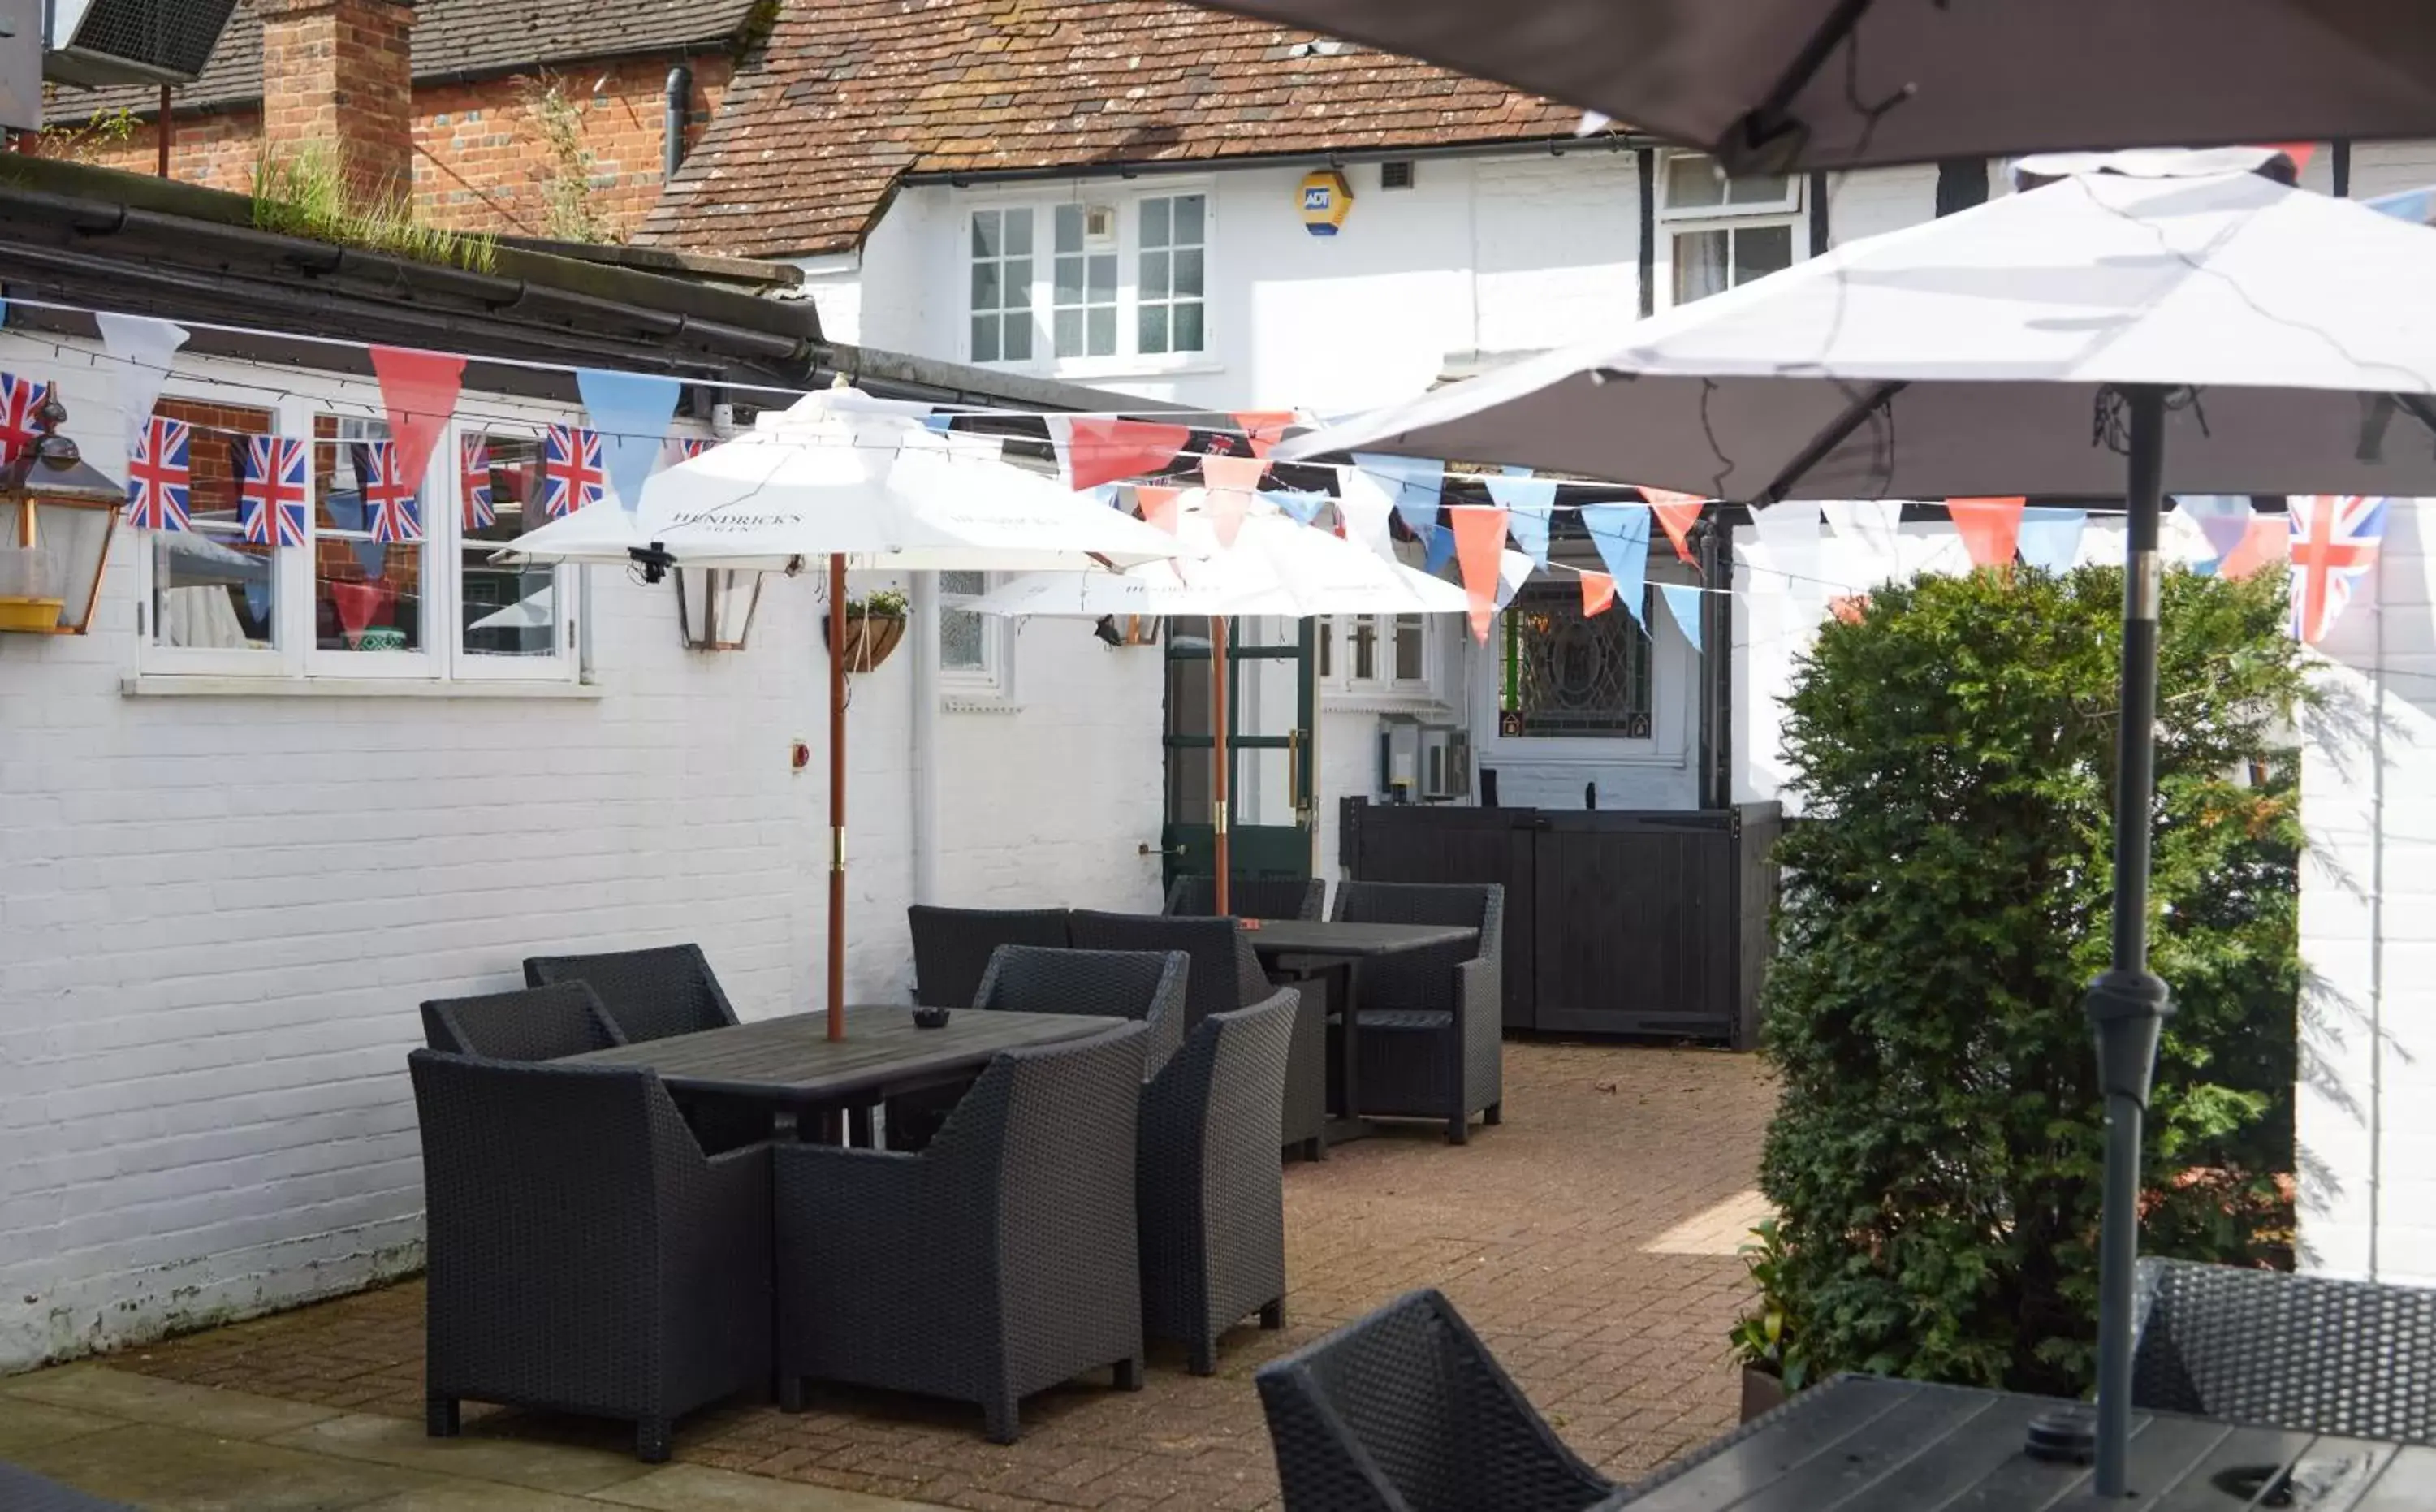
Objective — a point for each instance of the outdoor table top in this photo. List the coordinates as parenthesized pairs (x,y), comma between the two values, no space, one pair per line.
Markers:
(793,1060)
(1903,1446)
(1347,938)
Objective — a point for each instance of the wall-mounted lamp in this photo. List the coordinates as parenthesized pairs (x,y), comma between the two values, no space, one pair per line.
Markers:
(715,605)
(57,517)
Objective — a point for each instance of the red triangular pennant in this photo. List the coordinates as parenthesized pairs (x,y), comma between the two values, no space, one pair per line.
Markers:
(1989,528)
(1678,513)
(1263,429)
(1479,538)
(2268,540)
(1094,451)
(1598,594)
(1159,506)
(419,390)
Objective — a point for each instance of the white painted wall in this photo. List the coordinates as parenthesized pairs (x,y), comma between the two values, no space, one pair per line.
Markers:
(217,914)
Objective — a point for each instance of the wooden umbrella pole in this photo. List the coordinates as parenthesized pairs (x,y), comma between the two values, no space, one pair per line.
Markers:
(1218,762)
(837,797)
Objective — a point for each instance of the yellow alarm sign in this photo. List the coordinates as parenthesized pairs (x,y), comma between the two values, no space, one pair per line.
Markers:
(1327,199)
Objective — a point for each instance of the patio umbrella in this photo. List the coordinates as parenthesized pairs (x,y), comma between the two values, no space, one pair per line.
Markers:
(1275,565)
(865,490)
(2105,335)
(1777,85)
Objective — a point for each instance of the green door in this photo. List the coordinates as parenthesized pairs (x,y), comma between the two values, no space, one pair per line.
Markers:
(1270,724)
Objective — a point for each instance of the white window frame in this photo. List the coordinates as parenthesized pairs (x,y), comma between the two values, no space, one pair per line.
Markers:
(1341,679)
(1129,360)
(1675,221)
(968,261)
(424,664)
(563,665)
(286,657)
(993,681)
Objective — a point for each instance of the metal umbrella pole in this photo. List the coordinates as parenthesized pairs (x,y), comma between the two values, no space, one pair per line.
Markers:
(2128,1005)
(1218,762)
(837,797)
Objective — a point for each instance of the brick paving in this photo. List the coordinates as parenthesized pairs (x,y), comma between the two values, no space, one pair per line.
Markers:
(1590,1240)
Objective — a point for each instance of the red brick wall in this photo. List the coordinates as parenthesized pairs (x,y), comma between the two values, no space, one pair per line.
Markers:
(332,73)
(480,159)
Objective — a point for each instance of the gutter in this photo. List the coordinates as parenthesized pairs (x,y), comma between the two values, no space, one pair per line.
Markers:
(1554,146)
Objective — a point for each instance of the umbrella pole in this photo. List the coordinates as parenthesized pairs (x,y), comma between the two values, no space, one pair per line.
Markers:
(837,797)
(1219,762)
(2128,1006)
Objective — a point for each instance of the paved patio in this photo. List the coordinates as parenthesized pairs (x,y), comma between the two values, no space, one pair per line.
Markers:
(1591,1241)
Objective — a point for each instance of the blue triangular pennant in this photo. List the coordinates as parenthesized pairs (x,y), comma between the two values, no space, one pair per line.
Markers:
(1683,602)
(1414,484)
(1621,533)
(2050,539)
(632,412)
(1529,502)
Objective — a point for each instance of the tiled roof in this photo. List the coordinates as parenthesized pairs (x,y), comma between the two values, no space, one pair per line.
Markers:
(453,38)
(848,95)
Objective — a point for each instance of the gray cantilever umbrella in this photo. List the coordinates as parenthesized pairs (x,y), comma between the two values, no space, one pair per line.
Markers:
(1778,84)
(2186,329)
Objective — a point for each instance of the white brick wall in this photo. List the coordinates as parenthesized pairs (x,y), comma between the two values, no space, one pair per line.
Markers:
(217,916)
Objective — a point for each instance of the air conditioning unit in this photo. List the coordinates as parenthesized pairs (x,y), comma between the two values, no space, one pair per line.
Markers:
(1099,225)
(131,41)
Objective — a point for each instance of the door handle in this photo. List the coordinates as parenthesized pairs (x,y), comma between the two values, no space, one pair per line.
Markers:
(1146,848)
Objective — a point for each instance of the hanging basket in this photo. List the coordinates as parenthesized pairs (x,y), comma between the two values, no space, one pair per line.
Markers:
(869,640)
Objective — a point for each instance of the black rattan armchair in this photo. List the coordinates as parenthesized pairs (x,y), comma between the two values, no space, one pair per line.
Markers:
(2309,1353)
(585,1256)
(1226,975)
(1248,897)
(538,1024)
(1404,1411)
(649,994)
(1213,1201)
(1148,985)
(997,1263)
(1431,1038)
(951,946)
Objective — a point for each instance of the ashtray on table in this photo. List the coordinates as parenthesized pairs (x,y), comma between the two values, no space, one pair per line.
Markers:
(931,1018)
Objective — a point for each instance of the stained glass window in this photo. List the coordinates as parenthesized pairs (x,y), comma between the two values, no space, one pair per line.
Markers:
(1567,676)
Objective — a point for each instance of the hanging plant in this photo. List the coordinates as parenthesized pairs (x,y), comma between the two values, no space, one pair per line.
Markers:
(874,624)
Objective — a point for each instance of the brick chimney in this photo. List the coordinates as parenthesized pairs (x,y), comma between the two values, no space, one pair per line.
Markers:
(341,73)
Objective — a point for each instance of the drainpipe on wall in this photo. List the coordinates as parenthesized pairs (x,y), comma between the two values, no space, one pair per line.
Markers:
(678,97)
(922,608)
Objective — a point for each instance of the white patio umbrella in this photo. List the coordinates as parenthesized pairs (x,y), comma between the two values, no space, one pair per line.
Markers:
(1276,565)
(2103,336)
(866,490)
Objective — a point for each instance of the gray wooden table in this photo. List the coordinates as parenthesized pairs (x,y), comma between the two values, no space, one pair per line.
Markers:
(1861,1444)
(1310,947)
(792,1065)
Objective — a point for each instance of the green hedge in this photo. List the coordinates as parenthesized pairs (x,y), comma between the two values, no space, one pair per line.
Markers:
(1935,1156)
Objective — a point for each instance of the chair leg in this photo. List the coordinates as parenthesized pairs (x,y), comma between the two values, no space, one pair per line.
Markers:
(998,1421)
(1458,1130)
(440,1418)
(1129,1374)
(1201,1358)
(1316,1146)
(652,1437)
(1273,1317)
(1494,1116)
(790,1392)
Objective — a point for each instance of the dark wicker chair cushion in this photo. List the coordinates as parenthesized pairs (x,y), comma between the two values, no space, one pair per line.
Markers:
(1139,985)
(1226,974)
(538,1024)
(649,994)
(951,946)
(1404,1411)
(1248,897)
(2308,1354)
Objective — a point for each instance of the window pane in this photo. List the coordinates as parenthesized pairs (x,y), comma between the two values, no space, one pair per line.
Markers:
(1188,219)
(515,478)
(986,285)
(1568,676)
(210,586)
(964,585)
(1187,272)
(1408,666)
(1019,337)
(1762,250)
(1103,277)
(1757,189)
(1693,182)
(985,234)
(1188,328)
(1070,228)
(1103,331)
(1154,275)
(1365,650)
(1068,327)
(961,647)
(367,595)
(1154,222)
(1019,233)
(1153,329)
(986,338)
(1327,649)
(1016,285)
(1069,281)
(508,611)
(1699,265)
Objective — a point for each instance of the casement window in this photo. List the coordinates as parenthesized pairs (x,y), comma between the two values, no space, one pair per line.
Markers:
(1716,231)
(973,651)
(1376,655)
(214,604)
(1564,676)
(510,620)
(1101,283)
(371,599)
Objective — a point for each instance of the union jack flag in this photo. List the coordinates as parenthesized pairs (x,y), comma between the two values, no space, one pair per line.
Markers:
(479,511)
(160,477)
(19,399)
(390,506)
(2335,541)
(271,490)
(571,474)
(689,448)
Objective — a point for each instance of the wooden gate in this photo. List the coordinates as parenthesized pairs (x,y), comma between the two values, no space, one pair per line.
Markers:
(1626,923)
